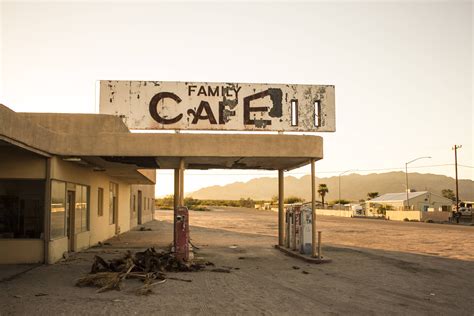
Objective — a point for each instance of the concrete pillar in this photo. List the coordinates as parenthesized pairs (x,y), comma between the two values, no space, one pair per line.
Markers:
(281,210)
(47,211)
(313,210)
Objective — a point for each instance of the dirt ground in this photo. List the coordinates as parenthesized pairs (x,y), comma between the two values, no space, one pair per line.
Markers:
(378,267)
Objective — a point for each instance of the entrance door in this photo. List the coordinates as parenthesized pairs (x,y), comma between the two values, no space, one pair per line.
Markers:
(70,215)
(139,207)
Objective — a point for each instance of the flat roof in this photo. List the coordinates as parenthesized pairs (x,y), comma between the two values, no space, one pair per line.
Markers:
(104,140)
(397,197)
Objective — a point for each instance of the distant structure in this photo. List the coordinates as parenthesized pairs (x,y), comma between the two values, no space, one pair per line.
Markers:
(418,201)
(420,206)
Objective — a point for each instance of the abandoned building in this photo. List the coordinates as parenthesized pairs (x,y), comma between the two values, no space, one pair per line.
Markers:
(69,181)
(54,203)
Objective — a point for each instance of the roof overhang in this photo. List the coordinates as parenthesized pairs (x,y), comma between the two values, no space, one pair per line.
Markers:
(103,139)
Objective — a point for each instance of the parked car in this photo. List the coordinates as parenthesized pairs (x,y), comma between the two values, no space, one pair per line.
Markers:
(465,211)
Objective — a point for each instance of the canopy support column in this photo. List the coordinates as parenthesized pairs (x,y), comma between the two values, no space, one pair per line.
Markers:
(313,210)
(281,210)
(181,182)
(178,193)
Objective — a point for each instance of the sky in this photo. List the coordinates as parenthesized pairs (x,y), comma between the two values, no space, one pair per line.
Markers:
(403,70)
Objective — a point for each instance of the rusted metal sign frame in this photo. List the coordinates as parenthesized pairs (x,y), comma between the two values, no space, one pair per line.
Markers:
(163,105)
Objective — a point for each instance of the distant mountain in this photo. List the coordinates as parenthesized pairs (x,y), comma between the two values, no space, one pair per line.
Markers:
(353,186)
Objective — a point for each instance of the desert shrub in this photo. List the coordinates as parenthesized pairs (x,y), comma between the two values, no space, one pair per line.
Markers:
(292,200)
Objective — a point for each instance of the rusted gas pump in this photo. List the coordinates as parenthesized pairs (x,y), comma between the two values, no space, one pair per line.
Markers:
(181,243)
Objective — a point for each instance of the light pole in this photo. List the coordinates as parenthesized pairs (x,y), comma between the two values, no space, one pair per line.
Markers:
(406,177)
(340,184)
(455,148)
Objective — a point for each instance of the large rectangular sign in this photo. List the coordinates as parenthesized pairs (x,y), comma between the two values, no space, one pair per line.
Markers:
(220,106)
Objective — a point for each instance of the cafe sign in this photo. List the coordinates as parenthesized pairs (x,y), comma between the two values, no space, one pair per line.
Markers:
(164,105)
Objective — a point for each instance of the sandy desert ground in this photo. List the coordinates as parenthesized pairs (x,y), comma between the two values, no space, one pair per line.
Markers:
(378,267)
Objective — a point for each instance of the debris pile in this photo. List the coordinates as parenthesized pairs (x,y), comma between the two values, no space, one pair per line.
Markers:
(149,266)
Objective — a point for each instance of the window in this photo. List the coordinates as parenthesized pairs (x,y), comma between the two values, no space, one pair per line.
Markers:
(134,204)
(100,202)
(21,208)
(58,209)
(82,209)
(113,202)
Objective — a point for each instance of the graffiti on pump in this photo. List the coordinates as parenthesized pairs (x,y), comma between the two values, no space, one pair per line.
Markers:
(226,107)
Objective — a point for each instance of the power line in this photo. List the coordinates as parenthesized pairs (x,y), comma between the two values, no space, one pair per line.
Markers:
(269,172)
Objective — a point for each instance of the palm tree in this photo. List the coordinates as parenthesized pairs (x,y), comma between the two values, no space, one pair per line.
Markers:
(322,190)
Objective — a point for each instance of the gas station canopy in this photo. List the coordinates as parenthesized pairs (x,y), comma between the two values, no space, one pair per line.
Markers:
(105,142)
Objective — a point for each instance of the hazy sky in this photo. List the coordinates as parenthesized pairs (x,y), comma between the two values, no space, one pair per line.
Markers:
(403,71)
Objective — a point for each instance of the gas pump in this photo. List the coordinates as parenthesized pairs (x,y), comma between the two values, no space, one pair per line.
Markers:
(291,228)
(306,230)
(287,227)
(181,245)
(297,229)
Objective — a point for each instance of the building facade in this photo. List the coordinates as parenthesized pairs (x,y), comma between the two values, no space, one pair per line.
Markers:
(51,205)
(69,181)
(420,206)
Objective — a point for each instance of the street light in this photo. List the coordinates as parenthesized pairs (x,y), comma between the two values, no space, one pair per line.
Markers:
(340,184)
(406,177)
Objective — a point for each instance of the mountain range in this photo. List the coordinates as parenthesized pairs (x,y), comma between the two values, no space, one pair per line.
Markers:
(353,187)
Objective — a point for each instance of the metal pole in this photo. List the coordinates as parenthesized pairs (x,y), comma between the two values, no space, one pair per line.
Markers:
(319,245)
(406,177)
(313,210)
(175,202)
(339,191)
(456,170)
(181,182)
(281,210)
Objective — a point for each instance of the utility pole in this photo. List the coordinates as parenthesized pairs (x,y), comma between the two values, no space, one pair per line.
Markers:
(455,148)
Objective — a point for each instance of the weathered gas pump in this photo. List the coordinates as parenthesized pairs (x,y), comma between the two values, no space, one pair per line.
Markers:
(182,234)
(289,227)
(306,230)
(297,229)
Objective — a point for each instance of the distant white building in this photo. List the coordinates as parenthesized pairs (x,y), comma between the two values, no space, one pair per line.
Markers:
(418,201)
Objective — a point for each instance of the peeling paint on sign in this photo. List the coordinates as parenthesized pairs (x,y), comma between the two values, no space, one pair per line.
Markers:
(220,106)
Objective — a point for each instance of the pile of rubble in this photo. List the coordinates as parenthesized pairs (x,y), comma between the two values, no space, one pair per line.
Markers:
(149,266)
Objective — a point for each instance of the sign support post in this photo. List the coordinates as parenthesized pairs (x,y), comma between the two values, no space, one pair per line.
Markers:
(313,210)
(281,210)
